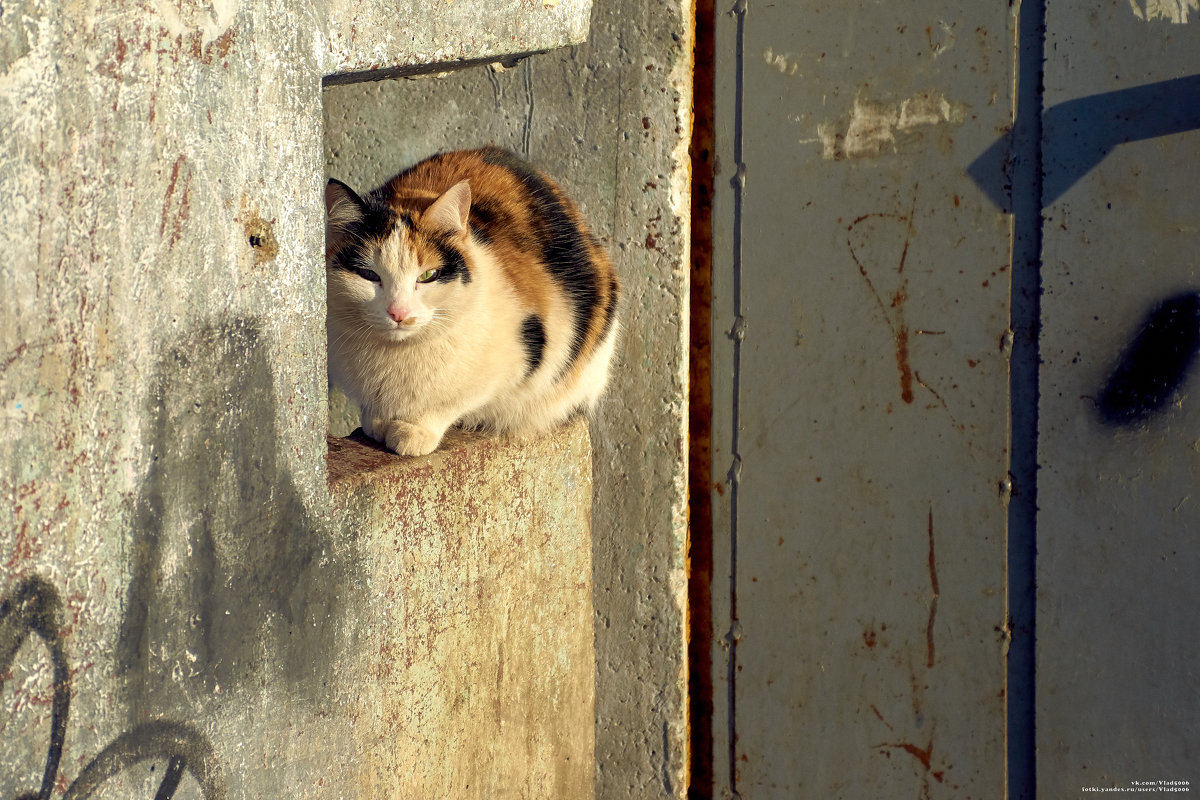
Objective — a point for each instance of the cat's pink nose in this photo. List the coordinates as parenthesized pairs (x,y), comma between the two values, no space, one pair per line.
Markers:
(398,313)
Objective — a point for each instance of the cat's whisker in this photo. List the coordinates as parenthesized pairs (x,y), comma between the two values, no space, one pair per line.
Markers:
(439,321)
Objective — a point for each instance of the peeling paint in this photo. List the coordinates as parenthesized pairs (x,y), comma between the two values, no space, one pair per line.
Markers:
(210,19)
(783,63)
(938,48)
(1175,11)
(872,125)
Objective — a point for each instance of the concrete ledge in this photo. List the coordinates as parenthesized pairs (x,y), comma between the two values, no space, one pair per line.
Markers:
(395,37)
(475,630)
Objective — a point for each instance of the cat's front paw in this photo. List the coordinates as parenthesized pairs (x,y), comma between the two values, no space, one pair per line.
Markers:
(408,439)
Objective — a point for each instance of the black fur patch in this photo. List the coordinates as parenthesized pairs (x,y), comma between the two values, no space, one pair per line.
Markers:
(484,218)
(376,223)
(610,308)
(350,259)
(379,220)
(454,266)
(562,243)
(533,337)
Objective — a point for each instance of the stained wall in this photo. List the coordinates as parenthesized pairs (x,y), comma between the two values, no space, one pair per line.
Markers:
(610,120)
(201,593)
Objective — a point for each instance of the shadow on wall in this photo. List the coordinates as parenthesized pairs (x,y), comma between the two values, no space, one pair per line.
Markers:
(1078,134)
(227,565)
(233,584)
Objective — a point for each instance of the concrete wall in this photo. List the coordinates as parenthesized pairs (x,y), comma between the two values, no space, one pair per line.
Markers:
(196,585)
(610,119)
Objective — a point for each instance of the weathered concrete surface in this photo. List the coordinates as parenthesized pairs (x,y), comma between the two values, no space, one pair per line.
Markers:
(609,119)
(481,572)
(167,527)
(389,37)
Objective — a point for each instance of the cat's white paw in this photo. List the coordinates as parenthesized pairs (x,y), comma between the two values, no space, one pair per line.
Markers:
(408,439)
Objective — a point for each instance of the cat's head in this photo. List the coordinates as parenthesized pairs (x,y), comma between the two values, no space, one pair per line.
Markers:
(396,273)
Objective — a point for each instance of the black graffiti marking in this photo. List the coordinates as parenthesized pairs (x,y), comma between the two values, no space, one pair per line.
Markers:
(171,780)
(35,607)
(1150,372)
(182,747)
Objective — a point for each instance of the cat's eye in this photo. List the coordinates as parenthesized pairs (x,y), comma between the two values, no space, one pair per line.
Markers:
(428,275)
(368,274)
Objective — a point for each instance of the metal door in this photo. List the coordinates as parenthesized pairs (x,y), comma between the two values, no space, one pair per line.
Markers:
(879,180)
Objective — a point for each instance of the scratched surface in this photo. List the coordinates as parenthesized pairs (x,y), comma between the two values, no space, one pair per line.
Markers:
(179,584)
(860,304)
(1119,418)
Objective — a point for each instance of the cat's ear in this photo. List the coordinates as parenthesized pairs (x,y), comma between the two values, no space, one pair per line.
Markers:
(342,206)
(449,212)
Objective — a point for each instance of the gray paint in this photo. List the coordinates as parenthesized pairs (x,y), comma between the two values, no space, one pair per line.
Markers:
(610,120)
(162,451)
(860,306)
(1117,590)
(846,507)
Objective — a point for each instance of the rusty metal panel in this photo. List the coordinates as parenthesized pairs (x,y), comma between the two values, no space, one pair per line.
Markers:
(1120,426)
(860,384)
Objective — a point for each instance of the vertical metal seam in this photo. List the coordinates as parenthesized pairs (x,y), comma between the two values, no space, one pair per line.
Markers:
(736,333)
(1025,322)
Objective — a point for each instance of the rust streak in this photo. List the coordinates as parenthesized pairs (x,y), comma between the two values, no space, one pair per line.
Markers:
(699,620)
(863,271)
(906,372)
(933,604)
(932,391)
(923,755)
(941,400)
(167,198)
(912,214)
(881,719)
(895,319)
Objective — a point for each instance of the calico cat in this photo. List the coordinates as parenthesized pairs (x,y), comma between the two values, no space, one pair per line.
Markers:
(467,289)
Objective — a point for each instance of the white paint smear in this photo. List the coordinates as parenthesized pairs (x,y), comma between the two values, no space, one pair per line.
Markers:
(210,18)
(940,47)
(872,125)
(1174,10)
(223,12)
(783,63)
